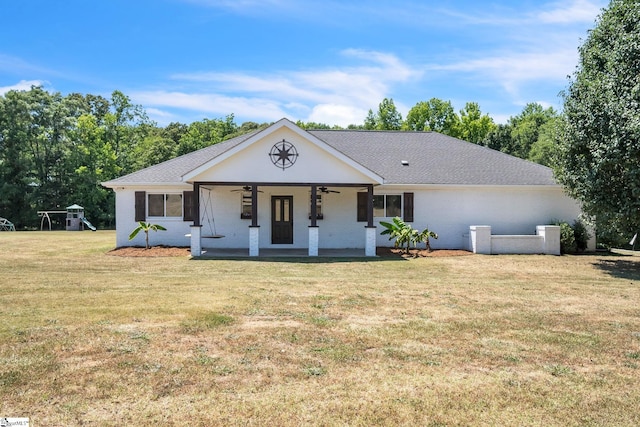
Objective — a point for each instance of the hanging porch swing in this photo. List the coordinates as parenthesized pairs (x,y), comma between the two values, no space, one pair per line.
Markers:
(207,215)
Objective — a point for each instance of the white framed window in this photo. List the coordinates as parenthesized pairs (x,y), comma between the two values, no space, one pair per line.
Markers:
(168,205)
(387,205)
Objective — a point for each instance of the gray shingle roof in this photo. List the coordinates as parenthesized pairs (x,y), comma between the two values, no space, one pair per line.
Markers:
(172,170)
(433,159)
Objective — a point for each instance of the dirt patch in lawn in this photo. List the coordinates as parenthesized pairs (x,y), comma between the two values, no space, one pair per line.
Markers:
(172,251)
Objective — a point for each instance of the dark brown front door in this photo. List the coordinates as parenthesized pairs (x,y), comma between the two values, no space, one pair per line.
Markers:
(282,219)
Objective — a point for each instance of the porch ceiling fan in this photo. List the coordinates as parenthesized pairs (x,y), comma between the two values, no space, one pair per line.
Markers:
(325,190)
(245,188)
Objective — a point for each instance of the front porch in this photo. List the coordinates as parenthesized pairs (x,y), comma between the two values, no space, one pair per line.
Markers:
(265,221)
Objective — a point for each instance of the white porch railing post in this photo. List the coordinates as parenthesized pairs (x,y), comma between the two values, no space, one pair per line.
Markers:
(370,242)
(196,241)
(314,236)
(254,240)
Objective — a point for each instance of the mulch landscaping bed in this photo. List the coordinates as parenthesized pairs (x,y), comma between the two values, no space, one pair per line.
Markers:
(154,251)
(172,251)
(419,253)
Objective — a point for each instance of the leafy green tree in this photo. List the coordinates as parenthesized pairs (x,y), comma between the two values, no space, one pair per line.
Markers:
(15,165)
(205,133)
(247,127)
(315,125)
(153,149)
(127,124)
(91,161)
(545,149)
(370,122)
(435,115)
(174,131)
(95,105)
(599,156)
(387,118)
(499,138)
(55,151)
(474,126)
(526,126)
(34,125)
(521,132)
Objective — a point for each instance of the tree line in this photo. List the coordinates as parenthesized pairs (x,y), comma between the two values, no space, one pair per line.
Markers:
(56,150)
(530,135)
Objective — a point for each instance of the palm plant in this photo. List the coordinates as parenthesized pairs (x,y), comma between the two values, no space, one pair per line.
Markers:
(406,235)
(399,230)
(424,236)
(146,227)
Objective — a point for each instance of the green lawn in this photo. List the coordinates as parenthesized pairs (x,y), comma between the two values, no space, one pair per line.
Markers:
(88,338)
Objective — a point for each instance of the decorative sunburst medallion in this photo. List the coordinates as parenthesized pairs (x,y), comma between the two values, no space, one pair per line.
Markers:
(283,154)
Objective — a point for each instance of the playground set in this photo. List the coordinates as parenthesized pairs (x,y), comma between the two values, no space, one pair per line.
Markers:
(76,220)
(6,225)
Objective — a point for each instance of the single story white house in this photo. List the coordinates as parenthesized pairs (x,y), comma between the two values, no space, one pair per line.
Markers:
(285,187)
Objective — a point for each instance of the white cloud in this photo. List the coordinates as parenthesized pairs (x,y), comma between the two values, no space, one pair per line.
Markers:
(262,109)
(571,12)
(514,69)
(330,95)
(21,85)
(335,114)
(246,7)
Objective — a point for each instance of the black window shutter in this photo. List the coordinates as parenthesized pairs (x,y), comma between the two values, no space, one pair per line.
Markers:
(362,207)
(187,205)
(408,207)
(141,206)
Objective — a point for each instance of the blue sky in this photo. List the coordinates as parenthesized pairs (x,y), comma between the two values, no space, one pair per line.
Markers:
(326,61)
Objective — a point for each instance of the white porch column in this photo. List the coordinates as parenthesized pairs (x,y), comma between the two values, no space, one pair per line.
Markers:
(370,242)
(254,240)
(480,236)
(196,242)
(314,236)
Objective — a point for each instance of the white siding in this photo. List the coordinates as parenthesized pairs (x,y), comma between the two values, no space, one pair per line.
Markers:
(125,221)
(449,211)
(253,164)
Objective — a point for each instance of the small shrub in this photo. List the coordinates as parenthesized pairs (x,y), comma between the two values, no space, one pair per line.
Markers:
(581,235)
(573,238)
(567,238)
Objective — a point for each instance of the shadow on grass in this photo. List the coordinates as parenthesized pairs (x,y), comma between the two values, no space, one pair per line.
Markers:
(621,268)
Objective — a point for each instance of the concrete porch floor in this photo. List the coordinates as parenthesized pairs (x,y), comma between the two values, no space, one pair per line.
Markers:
(281,253)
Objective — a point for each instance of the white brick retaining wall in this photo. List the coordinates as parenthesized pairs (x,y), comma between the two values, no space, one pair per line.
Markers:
(545,241)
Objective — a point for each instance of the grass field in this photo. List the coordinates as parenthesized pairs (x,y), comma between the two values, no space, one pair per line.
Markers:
(87,338)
